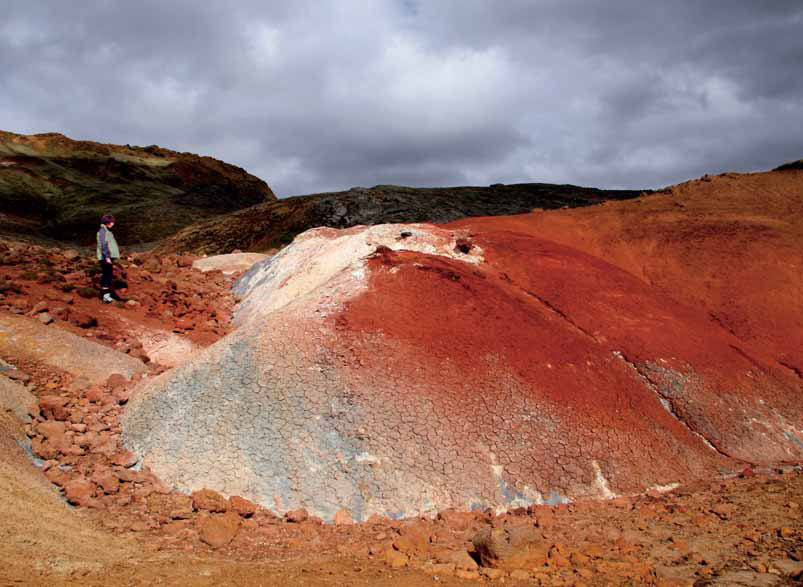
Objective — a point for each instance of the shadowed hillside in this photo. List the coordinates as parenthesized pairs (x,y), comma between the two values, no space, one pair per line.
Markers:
(53,186)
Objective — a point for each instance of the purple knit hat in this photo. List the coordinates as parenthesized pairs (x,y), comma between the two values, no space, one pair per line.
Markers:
(107,219)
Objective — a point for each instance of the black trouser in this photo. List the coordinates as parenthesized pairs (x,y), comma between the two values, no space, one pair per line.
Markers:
(106,275)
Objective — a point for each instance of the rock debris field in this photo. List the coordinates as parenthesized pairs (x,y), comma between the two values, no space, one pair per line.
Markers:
(560,398)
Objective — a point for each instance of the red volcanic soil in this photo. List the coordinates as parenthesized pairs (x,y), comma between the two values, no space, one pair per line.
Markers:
(730,246)
(613,329)
(166,296)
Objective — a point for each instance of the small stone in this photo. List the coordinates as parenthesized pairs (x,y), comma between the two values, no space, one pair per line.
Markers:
(218,531)
(115,381)
(492,546)
(94,394)
(786,532)
(124,458)
(209,500)
(520,575)
(45,318)
(468,575)
(296,516)
(53,406)
(152,265)
(106,480)
(242,506)
(51,428)
(122,395)
(83,320)
(43,449)
(79,491)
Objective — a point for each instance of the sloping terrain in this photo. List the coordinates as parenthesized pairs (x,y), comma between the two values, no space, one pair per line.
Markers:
(396,357)
(729,245)
(53,186)
(403,369)
(275,224)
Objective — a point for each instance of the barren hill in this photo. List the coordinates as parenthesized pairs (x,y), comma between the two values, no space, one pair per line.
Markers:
(403,369)
(57,187)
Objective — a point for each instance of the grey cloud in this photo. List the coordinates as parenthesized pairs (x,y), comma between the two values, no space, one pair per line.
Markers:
(316,96)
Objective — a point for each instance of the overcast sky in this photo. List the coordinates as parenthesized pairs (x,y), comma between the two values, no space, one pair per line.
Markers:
(328,94)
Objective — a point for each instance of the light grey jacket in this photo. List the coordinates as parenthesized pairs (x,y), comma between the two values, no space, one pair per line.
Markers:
(107,244)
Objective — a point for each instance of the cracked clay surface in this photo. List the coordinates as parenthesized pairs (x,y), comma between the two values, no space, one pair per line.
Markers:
(399,370)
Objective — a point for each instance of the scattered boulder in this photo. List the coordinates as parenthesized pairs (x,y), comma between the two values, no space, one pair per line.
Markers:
(51,428)
(115,381)
(83,320)
(209,500)
(54,407)
(45,318)
(505,547)
(242,506)
(79,491)
(152,265)
(296,516)
(218,530)
(124,458)
(104,478)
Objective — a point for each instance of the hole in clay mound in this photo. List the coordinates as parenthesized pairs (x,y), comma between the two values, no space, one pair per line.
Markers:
(405,234)
(463,246)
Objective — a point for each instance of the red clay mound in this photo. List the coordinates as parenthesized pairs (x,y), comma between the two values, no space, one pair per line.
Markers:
(404,369)
(730,245)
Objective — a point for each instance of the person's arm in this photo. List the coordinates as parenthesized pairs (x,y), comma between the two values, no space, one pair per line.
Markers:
(104,245)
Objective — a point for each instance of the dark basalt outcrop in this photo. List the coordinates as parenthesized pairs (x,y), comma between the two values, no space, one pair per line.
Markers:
(51,185)
(275,224)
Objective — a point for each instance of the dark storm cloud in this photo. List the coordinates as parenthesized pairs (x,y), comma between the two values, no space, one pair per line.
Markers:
(316,96)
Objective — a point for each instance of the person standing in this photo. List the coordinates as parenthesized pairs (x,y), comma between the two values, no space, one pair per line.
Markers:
(107,252)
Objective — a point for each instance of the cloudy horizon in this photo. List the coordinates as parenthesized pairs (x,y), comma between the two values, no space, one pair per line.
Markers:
(323,96)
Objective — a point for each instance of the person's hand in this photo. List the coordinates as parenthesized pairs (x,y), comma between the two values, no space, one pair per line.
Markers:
(108,260)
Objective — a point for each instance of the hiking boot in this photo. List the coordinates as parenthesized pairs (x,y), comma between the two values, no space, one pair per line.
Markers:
(115,297)
(107,298)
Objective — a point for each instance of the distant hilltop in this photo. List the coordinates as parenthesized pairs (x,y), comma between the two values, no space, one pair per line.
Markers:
(273,225)
(54,186)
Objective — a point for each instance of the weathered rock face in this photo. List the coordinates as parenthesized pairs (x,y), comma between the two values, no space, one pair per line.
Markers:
(406,369)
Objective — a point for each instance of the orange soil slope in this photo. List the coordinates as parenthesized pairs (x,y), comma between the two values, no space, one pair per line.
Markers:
(730,245)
